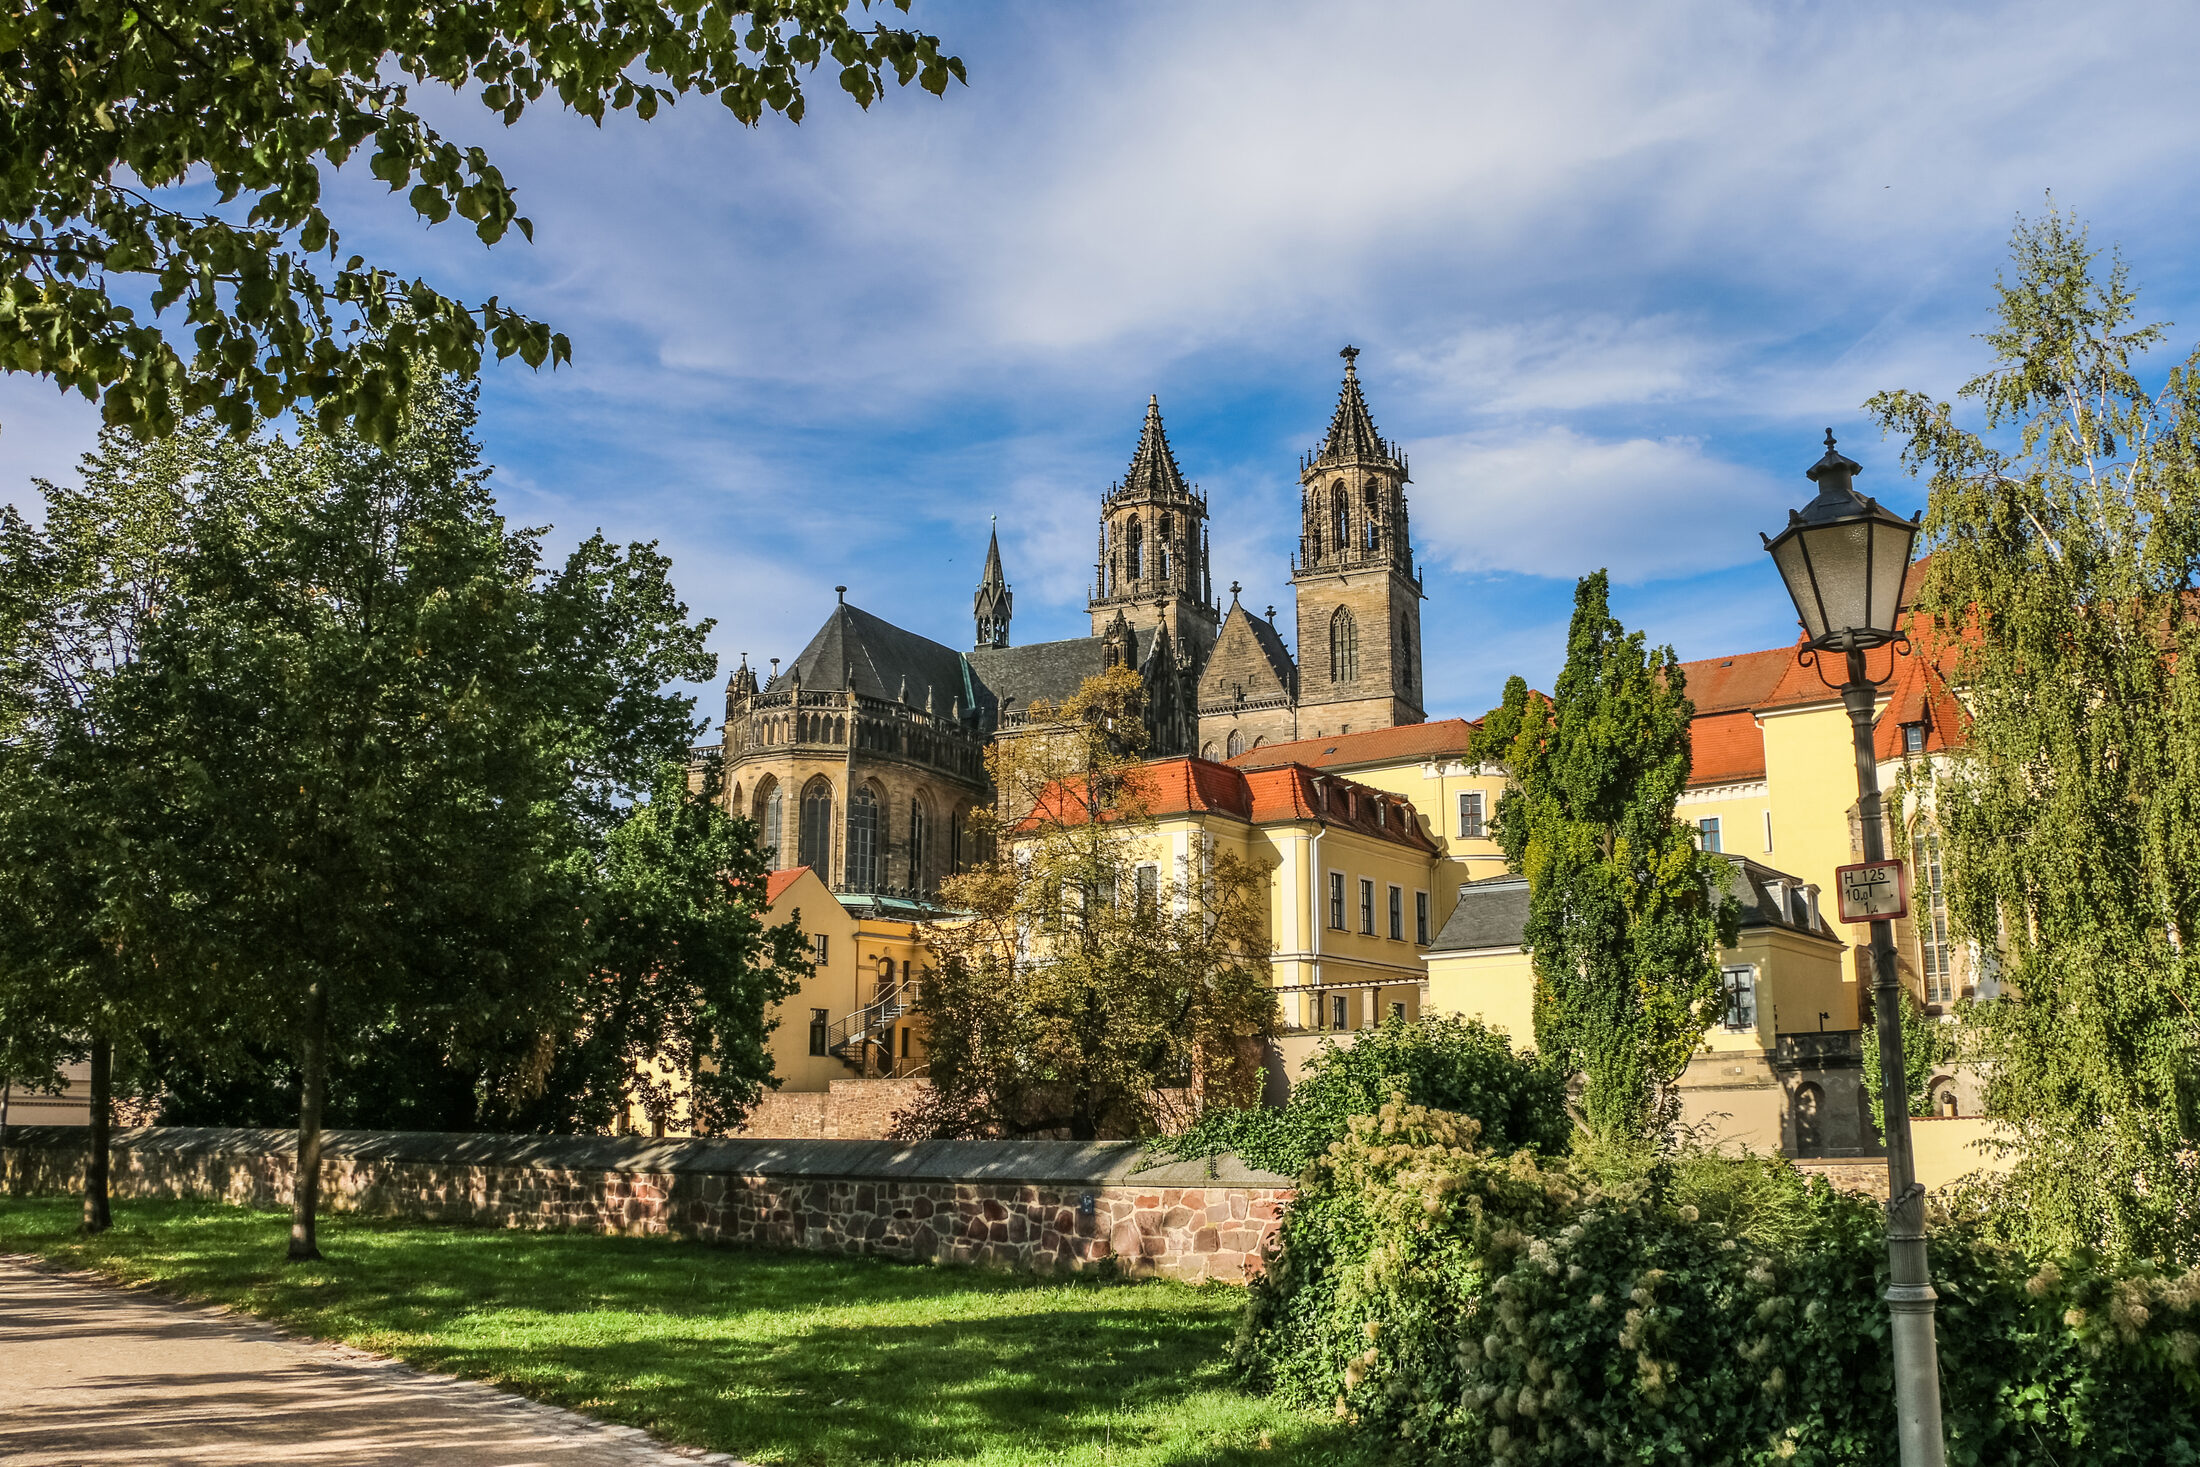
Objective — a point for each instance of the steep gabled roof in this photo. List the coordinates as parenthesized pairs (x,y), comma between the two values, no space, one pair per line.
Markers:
(1274,673)
(776,884)
(857,651)
(1446,738)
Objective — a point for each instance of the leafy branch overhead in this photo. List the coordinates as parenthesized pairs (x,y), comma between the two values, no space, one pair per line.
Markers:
(110,109)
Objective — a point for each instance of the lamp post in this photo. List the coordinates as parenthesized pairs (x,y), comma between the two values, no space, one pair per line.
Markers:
(1844,558)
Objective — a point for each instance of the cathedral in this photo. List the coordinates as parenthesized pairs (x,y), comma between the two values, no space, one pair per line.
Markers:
(864,758)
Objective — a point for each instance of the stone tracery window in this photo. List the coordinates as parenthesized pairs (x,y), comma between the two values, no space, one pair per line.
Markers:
(816,846)
(919,838)
(1340,514)
(1371,534)
(768,805)
(1236,745)
(1344,647)
(1138,549)
(862,839)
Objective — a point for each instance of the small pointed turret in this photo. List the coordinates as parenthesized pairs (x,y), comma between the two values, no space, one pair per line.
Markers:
(1352,436)
(1153,473)
(993,604)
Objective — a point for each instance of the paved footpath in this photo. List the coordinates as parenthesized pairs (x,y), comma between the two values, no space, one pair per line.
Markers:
(91,1374)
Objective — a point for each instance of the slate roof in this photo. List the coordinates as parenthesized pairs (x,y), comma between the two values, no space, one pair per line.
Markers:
(1153,473)
(1491,913)
(1494,912)
(1050,670)
(1444,739)
(855,649)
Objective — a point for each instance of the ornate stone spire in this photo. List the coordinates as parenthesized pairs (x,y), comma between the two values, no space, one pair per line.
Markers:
(1153,473)
(1352,436)
(993,603)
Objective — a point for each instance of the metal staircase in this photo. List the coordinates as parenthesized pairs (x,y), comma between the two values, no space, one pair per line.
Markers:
(864,1041)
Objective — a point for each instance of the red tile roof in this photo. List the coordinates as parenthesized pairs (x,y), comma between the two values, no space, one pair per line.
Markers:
(1187,785)
(1723,684)
(1444,739)
(1728,747)
(776,884)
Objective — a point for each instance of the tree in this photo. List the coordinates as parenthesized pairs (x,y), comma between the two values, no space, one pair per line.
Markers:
(76,595)
(2063,592)
(1623,926)
(379,746)
(674,1006)
(1084,979)
(108,108)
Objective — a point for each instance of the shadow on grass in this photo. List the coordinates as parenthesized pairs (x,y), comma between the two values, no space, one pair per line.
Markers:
(777,1357)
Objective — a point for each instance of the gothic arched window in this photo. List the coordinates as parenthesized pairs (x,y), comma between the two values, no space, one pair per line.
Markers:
(816,847)
(1138,551)
(1405,650)
(767,821)
(1373,535)
(862,839)
(1236,745)
(1340,514)
(919,836)
(1344,648)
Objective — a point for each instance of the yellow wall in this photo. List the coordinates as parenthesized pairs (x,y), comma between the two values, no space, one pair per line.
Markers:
(1740,810)
(832,987)
(1495,985)
(1810,769)
(1798,977)
(1434,787)
(1949,1147)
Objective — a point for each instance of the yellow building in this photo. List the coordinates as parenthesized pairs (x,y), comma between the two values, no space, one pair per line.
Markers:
(852,1017)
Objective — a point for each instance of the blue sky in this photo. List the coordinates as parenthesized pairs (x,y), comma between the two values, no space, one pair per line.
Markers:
(1613,270)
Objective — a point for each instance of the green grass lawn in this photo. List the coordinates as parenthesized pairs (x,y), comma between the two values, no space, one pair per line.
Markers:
(775,1357)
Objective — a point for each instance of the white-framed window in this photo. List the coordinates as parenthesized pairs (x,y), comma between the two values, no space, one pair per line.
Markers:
(1740,987)
(1420,918)
(1336,900)
(820,944)
(1913,738)
(1397,914)
(1707,831)
(1367,906)
(1473,824)
(1935,952)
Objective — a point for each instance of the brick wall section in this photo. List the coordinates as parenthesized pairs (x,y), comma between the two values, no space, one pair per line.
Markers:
(1008,1204)
(849,1110)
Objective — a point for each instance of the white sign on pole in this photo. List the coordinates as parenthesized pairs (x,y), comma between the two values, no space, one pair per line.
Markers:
(1872,891)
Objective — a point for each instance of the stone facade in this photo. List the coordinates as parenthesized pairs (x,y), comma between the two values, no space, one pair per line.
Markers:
(1042,1206)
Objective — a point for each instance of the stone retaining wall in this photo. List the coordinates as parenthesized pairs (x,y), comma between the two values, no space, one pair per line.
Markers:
(1045,1206)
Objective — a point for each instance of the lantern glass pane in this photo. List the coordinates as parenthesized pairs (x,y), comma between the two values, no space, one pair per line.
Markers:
(1788,556)
(1890,566)
(1839,560)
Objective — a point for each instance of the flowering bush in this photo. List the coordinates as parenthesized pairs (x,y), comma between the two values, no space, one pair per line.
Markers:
(1509,1309)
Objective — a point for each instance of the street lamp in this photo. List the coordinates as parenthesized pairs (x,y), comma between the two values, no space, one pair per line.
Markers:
(1844,558)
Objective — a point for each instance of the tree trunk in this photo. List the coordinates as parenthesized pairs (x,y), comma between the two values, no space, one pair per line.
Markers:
(96,1216)
(305,1194)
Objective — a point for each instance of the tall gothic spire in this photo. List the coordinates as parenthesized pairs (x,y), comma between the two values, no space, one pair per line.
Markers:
(1153,473)
(993,602)
(1352,436)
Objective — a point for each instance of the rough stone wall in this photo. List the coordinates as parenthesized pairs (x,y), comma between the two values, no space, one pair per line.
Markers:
(1079,1207)
(847,1110)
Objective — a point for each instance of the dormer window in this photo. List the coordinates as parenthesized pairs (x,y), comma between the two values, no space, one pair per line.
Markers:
(1913,738)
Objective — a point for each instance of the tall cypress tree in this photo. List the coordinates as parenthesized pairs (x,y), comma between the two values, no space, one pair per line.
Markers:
(2064,590)
(1624,920)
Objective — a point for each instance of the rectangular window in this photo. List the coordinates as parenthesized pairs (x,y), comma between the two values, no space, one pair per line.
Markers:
(1337,1016)
(1471,826)
(819,944)
(1741,997)
(1913,738)
(1709,829)
(1397,914)
(1336,900)
(1367,906)
(1420,918)
(1398,1012)
(1934,948)
(820,1029)
(1149,888)
(905,1043)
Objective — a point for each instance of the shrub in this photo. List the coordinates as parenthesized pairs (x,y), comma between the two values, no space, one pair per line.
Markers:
(1442,1061)
(1482,1307)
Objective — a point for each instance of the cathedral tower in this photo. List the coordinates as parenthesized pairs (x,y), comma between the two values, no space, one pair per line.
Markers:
(1359,598)
(1153,553)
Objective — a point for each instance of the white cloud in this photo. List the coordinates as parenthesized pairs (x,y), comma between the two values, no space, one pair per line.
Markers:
(1556,503)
